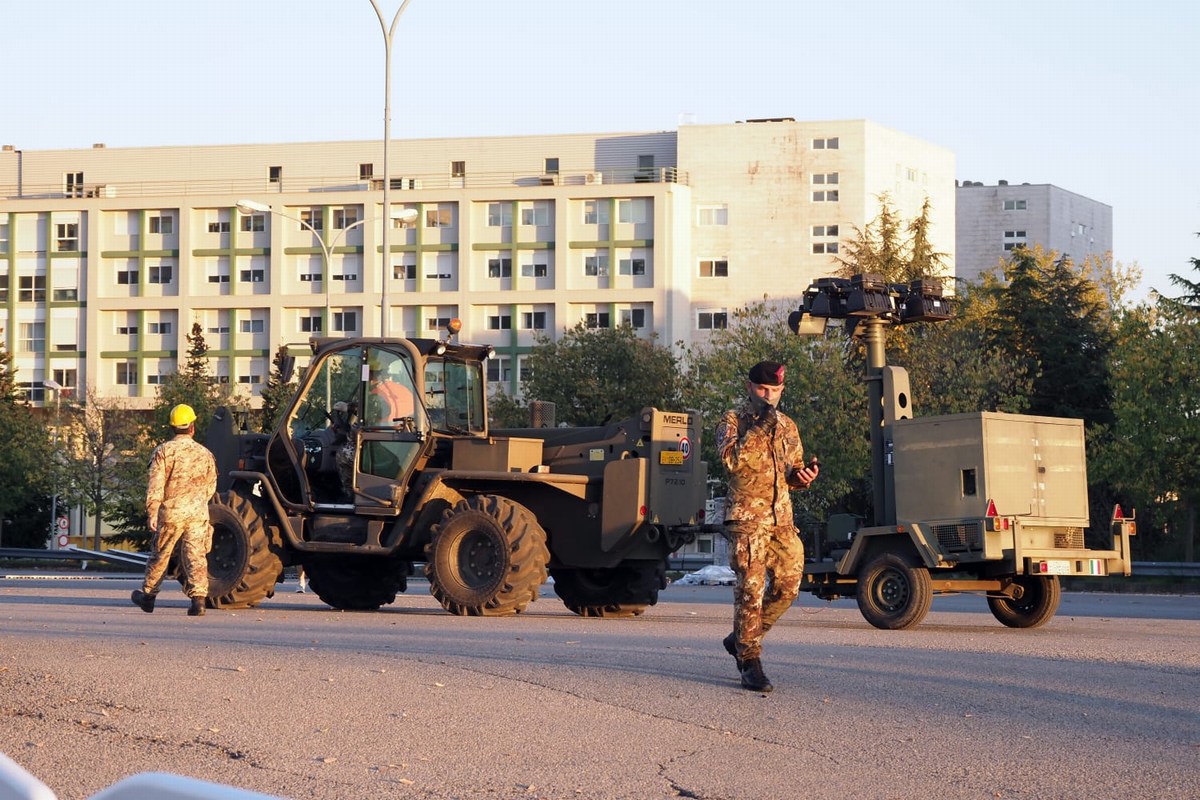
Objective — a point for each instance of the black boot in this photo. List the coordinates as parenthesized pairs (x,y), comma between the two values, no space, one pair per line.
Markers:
(753,677)
(143,600)
(197,609)
(731,647)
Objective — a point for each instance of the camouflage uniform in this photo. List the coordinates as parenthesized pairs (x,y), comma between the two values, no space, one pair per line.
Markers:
(183,476)
(766,552)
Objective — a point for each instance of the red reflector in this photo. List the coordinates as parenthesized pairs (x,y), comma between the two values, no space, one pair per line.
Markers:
(642,511)
(1042,566)
(991,509)
(1006,523)
(1117,513)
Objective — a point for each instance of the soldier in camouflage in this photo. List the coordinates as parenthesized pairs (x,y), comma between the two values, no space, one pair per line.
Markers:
(183,476)
(764,458)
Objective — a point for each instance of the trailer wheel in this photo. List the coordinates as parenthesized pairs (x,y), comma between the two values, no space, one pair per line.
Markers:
(486,558)
(625,590)
(893,594)
(1037,605)
(244,563)
(356,583)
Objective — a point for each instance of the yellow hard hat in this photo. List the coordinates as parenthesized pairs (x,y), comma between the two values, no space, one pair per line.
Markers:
(182,415)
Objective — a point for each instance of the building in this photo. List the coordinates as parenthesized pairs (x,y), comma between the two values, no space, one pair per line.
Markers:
(108,256)
(993,220)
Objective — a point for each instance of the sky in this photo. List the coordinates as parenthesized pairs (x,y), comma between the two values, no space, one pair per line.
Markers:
(1098,97)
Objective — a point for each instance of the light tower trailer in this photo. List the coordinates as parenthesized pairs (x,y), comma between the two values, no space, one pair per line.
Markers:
(983,502)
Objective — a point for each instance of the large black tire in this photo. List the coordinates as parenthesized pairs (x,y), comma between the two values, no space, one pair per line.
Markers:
(245,561)
(893,594)
(1037,605)
(486,557)
(625,590)
(356,583)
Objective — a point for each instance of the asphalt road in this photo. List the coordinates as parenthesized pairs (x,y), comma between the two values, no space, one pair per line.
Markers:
(297,700)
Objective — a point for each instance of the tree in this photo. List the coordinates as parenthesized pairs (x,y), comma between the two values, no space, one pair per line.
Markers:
(593,375)
(900,252)
(194,385)
(279,391)
(1052,319)
(27,469)
(103,434)
(822,392)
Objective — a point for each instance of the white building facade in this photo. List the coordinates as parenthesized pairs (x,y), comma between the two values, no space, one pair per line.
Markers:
(108,256)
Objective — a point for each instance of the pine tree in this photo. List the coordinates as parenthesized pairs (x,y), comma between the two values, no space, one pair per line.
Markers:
(279,391)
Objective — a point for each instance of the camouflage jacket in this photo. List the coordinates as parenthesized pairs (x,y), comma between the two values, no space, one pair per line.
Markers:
(758,456)
(183,476)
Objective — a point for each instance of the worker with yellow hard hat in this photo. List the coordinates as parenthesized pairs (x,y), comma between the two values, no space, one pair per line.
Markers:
(183,476)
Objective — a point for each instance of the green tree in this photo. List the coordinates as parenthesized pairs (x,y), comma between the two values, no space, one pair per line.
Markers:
(27,470)
(101,435)
(280,389)
(1053,320)
(822,392)
(900,252)
(194,385)
(598,374)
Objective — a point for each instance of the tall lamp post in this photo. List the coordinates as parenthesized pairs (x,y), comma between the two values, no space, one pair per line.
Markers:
(251,207)
(55,387)
(388,35)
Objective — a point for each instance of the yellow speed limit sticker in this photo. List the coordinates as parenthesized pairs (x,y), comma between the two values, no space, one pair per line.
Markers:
(674,457)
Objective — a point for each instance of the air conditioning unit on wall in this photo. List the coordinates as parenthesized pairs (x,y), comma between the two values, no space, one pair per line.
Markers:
(593,177)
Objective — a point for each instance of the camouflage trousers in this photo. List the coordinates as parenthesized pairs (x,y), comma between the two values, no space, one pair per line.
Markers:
(768,561)
(196,538)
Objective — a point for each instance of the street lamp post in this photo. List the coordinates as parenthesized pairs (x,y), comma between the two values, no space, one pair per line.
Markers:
(252,206)
(388,35)
(55,387)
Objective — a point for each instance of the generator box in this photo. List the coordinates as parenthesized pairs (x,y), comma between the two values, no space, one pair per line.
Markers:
(497,454)
(951,467)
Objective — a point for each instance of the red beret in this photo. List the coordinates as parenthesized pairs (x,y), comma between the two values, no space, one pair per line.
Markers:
(767,373)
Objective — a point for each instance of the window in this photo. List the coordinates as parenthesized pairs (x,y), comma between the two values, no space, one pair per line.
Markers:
(252,275)
(824,230)
(127,277)
(254,222)
(825,179)
(635,211)
(162,224)
(825,144)
(126,373)
(1015,205)
(439,218)
(436,323)
(366,172)
(275,174)
(310,277)
(250,379)
(31,288)
(712,319)
(345,321)
(533,320)
(499,322)
(825,196)
(714,268)
(1014,239)
(499,267)
(66,377)
(634,317)
(499,215)
(127,330)
(218,274)
(458,169)
(65,294)
(824,247)
(67,239)
(310,324)
(218,227)
(344,217)
(499,369)
(156,380)
(596,266)
(404,224)
(345,276)
(32,337)
(595,212)
(441,267)
(163,328)
(712,215)
(551,167)
(220,329)
(252,326)
(533,270)
(596,319)
(631,266)
(73,184)
(313,218)
(406,272)
(536,214)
